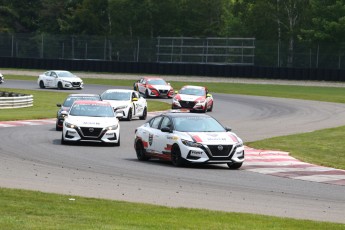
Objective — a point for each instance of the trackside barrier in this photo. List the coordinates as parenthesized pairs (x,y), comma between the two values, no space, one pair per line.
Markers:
(10,100)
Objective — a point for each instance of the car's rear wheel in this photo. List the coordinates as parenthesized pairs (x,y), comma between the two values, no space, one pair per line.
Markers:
(60,85)
(143,117)
(141,152)
(57,127)
(234,165)
(129,116)
(176,158)
(42,86)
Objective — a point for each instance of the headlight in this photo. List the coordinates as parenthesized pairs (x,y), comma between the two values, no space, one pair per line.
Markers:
(113,127)
(122,107)
(66,81)
(69,125)
(238,145)
(191,143)
(200,101)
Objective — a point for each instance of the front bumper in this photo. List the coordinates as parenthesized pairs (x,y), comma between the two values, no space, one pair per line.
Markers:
(85,134)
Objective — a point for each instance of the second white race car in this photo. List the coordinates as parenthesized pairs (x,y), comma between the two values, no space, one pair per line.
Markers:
(129,102)
(188,138)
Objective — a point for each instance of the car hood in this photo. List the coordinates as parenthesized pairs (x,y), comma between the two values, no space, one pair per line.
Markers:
(215,138)
(160,87)
(187,97)
(117,103)
(97,122)
(71,79)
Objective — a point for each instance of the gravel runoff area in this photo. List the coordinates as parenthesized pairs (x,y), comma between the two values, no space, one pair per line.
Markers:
(183,78)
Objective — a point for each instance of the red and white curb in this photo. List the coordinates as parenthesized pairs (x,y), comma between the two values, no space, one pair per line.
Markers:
(279,163)
(274,163)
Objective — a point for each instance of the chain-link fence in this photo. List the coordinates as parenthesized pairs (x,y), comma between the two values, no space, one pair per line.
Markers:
(228,51)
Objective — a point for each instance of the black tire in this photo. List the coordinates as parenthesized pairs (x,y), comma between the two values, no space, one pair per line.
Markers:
(205,110)
(176,158)
(234,165)
(63,142)
(57,127)
(143,117)
(60,86)
(140,151)
(146,94)
(118,143)
(42,86)
(129,116)
(210,109)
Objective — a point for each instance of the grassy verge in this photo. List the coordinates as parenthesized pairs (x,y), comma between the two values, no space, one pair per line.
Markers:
(36,210)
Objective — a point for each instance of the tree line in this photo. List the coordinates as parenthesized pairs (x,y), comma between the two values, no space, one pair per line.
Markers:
(286,20)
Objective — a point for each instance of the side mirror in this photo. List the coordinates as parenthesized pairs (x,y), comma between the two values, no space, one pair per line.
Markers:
(58,105)
(64,113)
(166,130)
(134,99)
(227,129)
(208,95)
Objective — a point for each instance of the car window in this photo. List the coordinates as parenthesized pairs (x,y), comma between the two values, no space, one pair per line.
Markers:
(197,124)
(166,122)
(154,123)
(69,101)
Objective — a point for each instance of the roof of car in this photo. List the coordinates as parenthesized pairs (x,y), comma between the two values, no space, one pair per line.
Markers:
(87,102)
(177,113)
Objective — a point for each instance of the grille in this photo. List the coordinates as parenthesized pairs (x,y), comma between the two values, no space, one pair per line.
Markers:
(163,91)
(187,104)
(90,131)
(75,84)
(217,152)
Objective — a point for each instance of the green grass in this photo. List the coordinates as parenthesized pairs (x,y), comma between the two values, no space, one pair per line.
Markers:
(36,210)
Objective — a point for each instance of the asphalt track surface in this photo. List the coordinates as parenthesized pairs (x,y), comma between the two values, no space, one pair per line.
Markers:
(32,158)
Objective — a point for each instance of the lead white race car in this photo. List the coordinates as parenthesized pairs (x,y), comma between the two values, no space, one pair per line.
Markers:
(188,138)
(91,121)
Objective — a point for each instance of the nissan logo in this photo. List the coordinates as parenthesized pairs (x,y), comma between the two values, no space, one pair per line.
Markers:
(92,129)
(220,147)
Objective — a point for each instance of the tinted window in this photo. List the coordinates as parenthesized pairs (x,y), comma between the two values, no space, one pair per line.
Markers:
(154,123)
(70,100)
(166,123)
(197,124)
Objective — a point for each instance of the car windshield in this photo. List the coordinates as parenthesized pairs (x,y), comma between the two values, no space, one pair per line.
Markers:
(192,91)
(156,82)
(90,110)
(65,74)
(119,96)
(70,100)
(197,124)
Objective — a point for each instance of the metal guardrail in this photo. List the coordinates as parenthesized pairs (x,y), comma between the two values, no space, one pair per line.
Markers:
(10,100)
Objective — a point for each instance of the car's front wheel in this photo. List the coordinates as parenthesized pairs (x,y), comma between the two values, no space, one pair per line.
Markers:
(176,158)
(60,85)
(234,165)
(141,152)
(129,116)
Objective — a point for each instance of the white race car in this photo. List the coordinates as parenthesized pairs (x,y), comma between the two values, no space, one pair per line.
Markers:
(188,138)
(193,98)
(91,121)
(60,79)
(129,102)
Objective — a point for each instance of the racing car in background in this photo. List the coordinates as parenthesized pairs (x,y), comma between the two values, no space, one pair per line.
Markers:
(66,105)
(60,79)
(193,98)
(188,138)
(2,79)
(153,87)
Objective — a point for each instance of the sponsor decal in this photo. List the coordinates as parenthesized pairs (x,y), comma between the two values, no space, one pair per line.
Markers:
(150,139)
(168,147)
(233,138)
(196,138)
(174,138)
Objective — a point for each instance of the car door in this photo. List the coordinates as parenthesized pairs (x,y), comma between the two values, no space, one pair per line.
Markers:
(139,104)
(54,79)
(142,85)
(164,140)
(153,134)
(48,79)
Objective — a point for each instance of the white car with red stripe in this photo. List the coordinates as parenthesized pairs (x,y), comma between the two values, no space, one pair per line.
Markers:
(193,98)
(188,138)
(153,87)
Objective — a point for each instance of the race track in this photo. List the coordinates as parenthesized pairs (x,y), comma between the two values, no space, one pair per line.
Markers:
(33,158)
